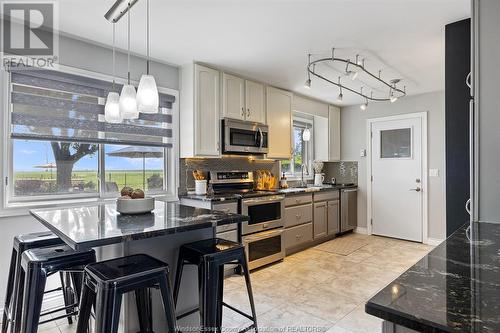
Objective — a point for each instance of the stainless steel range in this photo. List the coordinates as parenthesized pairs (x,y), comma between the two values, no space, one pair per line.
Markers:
(263,234)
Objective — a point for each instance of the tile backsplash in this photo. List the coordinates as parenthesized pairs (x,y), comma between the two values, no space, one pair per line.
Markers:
(188,165)
(344,171)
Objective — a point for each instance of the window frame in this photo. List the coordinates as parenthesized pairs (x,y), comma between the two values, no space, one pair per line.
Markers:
(10,205)
(305,119)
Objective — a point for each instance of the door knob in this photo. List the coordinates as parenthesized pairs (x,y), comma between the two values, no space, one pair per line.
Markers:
(418,189)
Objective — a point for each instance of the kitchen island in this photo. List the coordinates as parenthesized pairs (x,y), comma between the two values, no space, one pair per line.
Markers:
(159,234)
(455,288)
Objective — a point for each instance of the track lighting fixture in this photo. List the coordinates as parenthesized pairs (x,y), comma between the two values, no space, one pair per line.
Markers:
(340,97)
(352,70)
(393,98)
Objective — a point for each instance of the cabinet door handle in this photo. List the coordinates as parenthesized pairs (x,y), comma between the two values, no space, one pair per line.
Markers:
(242,111)
(248,112)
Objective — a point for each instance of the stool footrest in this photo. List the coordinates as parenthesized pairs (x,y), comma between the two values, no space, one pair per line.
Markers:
(50,311)
(187,313)
(237,311)
(248,328)
(74,313)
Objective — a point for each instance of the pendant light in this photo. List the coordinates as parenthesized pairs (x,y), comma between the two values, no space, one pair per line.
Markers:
(364,106)
(128,101)
(112,107)
(306,134)
(147,92)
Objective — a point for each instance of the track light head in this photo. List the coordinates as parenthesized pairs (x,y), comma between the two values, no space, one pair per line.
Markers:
(364,106)
(393,99)
(340,97)
(307,84)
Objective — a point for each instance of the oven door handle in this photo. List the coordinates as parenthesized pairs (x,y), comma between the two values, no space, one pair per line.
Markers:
(261,141)
(263,235)
(269,199)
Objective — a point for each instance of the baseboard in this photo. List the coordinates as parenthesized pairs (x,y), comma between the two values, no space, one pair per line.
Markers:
(361,230)
(433,241)
(49,302)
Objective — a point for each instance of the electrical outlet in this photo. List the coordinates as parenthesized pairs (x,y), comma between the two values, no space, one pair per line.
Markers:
(362,153)
(433,172)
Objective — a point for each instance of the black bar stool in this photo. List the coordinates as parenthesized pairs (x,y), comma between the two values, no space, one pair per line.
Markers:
(37,265)
(12,307)
(210,256)
(105,282)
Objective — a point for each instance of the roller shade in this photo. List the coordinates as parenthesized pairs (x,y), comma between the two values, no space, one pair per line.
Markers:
(56,106)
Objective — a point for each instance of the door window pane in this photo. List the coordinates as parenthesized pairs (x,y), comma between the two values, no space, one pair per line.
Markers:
(134,166)
(395,143)
(45,168)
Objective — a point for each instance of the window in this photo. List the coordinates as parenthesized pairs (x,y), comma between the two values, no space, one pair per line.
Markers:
(302,150)
(395,143)
(60,147)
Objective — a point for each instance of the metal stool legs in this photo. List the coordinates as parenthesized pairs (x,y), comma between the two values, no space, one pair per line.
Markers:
(9,293)
(211,283)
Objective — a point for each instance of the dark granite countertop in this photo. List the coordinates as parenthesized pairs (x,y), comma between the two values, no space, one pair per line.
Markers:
(312,189)
(287,191)
(455,288)
(101,224)
(211,198)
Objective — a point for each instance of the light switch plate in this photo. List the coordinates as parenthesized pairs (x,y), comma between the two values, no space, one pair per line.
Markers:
(433,172)
(362,153)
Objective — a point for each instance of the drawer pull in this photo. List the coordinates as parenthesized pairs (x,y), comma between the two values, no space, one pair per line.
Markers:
(297,201)
(298,216)
(298,236)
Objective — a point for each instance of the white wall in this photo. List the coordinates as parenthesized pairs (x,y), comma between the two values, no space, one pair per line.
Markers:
(353,138)
(82,55)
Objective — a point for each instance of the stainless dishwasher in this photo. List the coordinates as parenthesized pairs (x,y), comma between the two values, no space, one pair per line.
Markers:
(348,209)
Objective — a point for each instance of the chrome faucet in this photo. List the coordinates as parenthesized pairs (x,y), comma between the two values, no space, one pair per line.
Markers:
(302,182)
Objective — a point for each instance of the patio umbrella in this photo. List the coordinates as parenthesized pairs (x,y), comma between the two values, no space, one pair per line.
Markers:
(47,166)
(139,152)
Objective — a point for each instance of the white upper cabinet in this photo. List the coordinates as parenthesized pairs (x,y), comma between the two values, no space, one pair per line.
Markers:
(334,129)
(279,120)
(233,97)
(255,102)
(243,99)
(321,139)
(200,112)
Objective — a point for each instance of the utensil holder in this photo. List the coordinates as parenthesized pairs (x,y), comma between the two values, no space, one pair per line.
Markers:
(200,187)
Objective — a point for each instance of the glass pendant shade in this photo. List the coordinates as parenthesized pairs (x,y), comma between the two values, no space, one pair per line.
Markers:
(128,102)
(112,108)
(147,95)
(306,135)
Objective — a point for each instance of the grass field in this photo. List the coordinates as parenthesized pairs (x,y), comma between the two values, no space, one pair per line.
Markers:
(132,178)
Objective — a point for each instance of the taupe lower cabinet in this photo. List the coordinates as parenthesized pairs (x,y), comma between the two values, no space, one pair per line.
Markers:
(320,220)
(333,217)
(326,214)
(298,221)
(310,218)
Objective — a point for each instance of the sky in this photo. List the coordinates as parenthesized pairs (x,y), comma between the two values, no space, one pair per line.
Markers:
(28,154)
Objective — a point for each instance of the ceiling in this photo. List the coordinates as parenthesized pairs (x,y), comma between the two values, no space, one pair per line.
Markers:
(269,40)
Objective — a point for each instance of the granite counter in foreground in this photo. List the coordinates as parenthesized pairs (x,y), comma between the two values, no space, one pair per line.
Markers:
(455,288)
(101,224)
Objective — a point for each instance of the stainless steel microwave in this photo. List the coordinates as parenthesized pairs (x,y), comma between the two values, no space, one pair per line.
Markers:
(243,137)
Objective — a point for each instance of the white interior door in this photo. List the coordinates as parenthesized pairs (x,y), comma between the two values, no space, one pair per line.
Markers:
(396,161)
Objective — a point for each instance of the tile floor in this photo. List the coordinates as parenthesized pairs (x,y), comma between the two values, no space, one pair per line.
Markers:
(314,290)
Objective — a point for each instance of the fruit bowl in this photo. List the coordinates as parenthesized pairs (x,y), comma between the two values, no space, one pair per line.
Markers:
(135,206)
